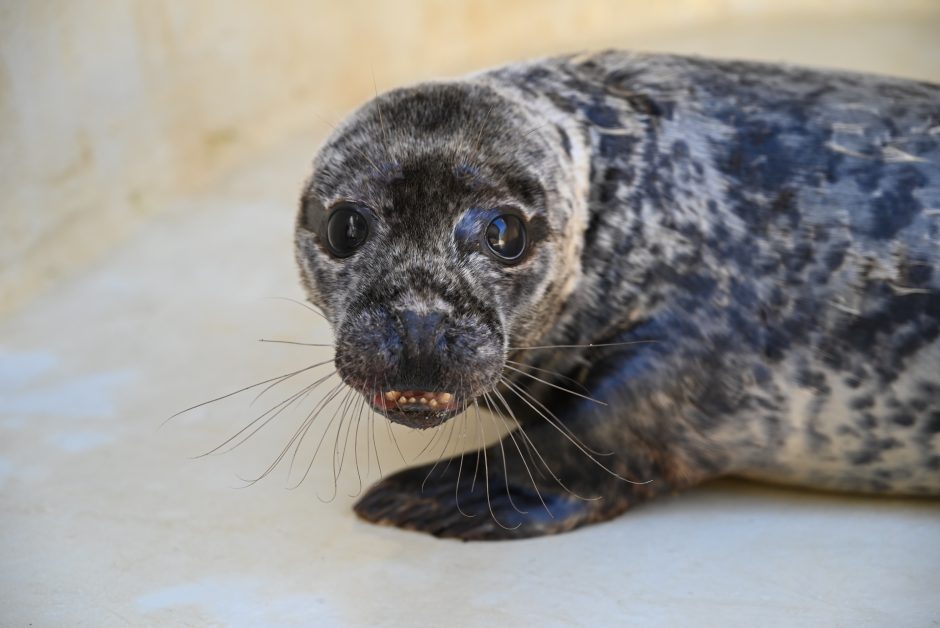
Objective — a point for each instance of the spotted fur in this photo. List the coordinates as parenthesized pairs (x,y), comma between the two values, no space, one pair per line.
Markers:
(766,237)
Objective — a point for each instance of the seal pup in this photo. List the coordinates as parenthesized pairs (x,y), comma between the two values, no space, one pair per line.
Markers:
(659,269)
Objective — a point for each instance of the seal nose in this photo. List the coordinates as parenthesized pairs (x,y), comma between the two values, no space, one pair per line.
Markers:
(422,334)
(418,348)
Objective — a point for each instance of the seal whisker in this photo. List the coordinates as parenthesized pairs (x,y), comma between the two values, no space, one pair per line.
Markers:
(486,481)
(550,372)
(301,433)
(477,144)
(510,431)
(502,451)
(386,143)
(450,458)
(511,427)
(295,399)
(554,420)
(533,130)
(358,492)
(339,456)
(372,419)
(316,451)
(576,442)
(391,432)
(342,458)
(284,379)
(276,409)
(303,305)
(292,342)
(464,413)
(341,413)
(277,460)
(439,456)
(326,431)
(535,449)
(589,345)
(358,150)
(372,393)
(541,458)
(547,383)
(463,434)
(437,431)
(480,445)
(240,390)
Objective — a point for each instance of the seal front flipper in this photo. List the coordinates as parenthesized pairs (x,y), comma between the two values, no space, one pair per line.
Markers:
(509,491)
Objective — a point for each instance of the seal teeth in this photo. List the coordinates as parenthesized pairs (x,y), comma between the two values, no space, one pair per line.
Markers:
(427,398)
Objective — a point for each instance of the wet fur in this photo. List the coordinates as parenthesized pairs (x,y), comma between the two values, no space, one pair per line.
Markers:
(768,235)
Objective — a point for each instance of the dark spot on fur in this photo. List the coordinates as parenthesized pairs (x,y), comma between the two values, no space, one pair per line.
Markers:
(862,403)
(834,257)
(895,208)
(932,426)
(865,456)
(904,419)
(680,150)
(565,140)
(785,205)
(602,116)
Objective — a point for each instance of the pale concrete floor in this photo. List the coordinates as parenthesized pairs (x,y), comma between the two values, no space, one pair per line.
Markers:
(107,521)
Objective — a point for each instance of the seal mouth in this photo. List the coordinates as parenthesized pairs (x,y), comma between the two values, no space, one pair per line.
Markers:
(419,409)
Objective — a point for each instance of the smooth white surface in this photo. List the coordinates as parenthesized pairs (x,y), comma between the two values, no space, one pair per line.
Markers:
(106,521)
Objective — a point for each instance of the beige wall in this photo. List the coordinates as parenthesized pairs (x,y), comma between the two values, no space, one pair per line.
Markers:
(110,109)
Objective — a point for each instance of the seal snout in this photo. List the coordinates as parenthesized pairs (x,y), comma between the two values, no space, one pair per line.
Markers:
(419,363)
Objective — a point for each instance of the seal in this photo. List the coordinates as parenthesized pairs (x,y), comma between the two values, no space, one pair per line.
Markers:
(657,269)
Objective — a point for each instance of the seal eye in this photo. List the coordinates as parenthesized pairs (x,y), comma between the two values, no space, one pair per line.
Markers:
(346,230)
(505,237)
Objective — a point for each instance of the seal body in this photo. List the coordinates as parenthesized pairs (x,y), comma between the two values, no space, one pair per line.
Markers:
(731,268)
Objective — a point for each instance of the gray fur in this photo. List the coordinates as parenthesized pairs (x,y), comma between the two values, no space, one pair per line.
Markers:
(769,235)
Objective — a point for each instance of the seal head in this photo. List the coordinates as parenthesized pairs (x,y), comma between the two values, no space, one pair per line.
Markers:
(431,236)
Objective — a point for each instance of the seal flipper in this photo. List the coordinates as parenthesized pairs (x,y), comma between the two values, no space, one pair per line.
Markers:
(481,508)
(511,497)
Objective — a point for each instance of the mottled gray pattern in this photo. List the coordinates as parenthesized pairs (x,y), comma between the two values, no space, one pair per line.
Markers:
(770,235)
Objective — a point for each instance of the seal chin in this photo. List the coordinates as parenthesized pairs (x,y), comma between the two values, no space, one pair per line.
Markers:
(417,409)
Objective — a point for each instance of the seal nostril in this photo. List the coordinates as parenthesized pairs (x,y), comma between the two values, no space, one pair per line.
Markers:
(422,332)
(424,324)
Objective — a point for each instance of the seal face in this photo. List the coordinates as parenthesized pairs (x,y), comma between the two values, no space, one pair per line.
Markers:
(659,269)
(430,243)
